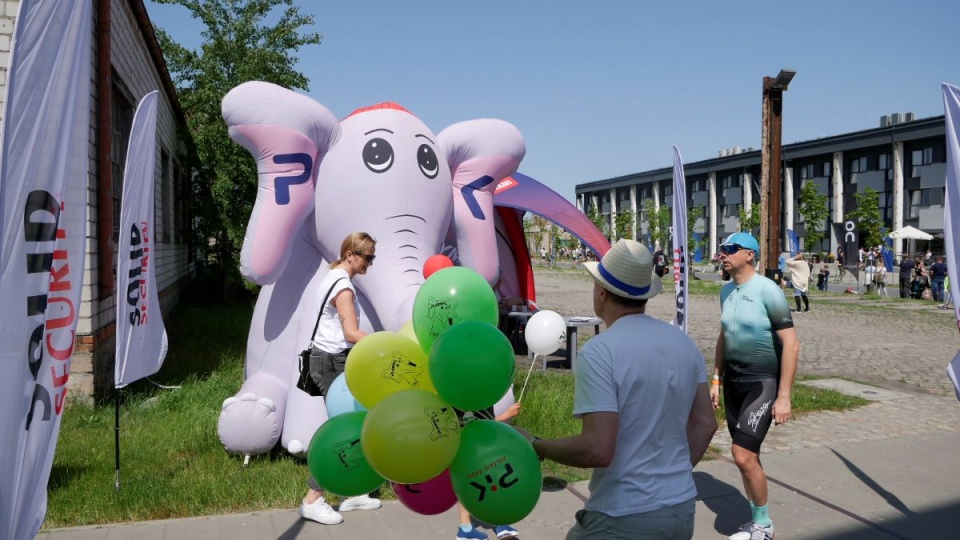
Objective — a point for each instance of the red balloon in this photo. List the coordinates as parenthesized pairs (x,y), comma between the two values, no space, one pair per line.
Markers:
(434,263)
(435,496)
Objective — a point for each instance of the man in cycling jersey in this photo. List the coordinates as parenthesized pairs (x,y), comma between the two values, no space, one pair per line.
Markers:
(756,360)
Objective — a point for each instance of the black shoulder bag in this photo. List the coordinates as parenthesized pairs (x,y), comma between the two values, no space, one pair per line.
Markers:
(305,381)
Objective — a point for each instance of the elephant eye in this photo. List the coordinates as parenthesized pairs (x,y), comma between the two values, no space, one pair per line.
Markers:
(378,155)
(427,159)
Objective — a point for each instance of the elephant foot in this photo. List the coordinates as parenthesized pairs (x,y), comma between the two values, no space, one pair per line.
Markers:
(249,424)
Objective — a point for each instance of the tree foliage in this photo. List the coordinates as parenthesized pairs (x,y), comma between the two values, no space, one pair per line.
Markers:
(658,223)
(535,228)
(750,221)
(238,46)
(812,205)
(867,215)
(594,216)
(693,215)
(623,225)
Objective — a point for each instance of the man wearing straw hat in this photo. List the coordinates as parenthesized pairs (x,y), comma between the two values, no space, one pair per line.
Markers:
(642,396)
(756,359)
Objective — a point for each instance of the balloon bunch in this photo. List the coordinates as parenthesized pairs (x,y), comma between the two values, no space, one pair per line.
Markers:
(394,411)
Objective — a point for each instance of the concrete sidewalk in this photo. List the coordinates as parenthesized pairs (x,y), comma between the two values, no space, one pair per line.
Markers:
(897,488)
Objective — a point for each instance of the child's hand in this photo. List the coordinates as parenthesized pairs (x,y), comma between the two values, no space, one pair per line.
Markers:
(509,413)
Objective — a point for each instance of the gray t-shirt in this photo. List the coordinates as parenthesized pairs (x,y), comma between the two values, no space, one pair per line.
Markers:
(646,371)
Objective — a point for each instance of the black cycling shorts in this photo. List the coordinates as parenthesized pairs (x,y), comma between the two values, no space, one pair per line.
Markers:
(749,408)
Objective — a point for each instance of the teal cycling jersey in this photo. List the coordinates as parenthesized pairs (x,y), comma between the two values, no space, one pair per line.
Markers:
(751,315)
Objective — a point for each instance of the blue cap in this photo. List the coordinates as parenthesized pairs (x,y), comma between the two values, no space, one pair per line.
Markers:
(744,240)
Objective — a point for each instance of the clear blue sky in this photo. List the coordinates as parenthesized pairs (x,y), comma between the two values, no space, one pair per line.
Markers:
(605,88)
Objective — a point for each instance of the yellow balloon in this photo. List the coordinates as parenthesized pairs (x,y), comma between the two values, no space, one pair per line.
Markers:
(407,330)
(384,363)
(411,436)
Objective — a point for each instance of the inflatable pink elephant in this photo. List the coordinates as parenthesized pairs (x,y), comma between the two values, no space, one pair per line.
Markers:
(380,170)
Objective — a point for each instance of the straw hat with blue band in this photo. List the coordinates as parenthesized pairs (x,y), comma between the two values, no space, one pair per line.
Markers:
(627,270)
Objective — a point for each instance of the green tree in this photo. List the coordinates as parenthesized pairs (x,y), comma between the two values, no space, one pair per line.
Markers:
(238,46)
(752,221)
(867,215)
(658,223)
(623,225)
(694,214)
(597,219)
(535,228)
(813,207)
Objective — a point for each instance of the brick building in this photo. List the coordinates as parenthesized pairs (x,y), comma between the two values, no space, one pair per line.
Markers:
(127,64)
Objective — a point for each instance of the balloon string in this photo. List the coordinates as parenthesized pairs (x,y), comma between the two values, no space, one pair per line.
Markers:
(525,381)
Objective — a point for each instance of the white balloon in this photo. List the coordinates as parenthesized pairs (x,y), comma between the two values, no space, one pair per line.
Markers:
(545,332)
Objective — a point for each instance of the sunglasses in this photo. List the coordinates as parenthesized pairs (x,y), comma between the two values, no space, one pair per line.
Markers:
(730,249)
(368,258)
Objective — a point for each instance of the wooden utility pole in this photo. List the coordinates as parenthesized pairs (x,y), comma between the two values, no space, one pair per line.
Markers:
(770,167)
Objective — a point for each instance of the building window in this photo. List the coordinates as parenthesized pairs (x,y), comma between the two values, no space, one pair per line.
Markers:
(858,165)
(918,198)
(695,186)
(883,162)
(121,124)
(922,157)
(827,169)
(667,190)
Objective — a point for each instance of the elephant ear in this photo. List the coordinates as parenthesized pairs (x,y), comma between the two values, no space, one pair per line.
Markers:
(288,134)
(480,153)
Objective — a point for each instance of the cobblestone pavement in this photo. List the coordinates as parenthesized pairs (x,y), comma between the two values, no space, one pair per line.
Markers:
(898,345)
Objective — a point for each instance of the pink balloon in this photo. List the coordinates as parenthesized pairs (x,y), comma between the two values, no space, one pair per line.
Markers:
(434,263)
(435,496)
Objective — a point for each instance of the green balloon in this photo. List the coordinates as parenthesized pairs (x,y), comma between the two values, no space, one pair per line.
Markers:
(451,296)
(411,436)
(496,474)
(472,365)
(336,459)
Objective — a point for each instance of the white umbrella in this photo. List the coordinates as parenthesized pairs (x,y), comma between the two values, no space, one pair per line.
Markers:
(911,233)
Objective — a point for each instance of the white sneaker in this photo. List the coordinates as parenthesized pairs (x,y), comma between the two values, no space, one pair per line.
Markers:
(752,531)
(321,512)
(360,502)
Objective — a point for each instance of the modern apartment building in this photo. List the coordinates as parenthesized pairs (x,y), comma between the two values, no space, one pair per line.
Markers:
(904,160)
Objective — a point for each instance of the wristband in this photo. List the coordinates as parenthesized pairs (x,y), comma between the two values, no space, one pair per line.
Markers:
(715,383)
(716,377)
(535,439)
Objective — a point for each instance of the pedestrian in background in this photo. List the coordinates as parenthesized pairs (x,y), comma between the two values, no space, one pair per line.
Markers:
(880,278)
(800,278)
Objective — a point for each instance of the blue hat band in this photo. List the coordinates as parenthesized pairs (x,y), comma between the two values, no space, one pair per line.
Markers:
(630,289)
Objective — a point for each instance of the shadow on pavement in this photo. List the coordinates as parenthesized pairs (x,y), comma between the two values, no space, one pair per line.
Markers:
(725,501)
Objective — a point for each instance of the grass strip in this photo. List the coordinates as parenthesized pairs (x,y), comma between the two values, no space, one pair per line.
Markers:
(173,464)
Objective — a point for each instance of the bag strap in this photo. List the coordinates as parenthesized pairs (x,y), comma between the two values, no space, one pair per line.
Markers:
(323,305)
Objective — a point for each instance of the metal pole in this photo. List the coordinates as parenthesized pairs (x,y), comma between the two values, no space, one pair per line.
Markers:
(116,437)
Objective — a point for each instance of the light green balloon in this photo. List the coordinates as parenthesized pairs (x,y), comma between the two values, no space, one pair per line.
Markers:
(411,436)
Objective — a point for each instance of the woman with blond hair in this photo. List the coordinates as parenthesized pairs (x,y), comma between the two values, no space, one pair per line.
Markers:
(800,272)
(337,330)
